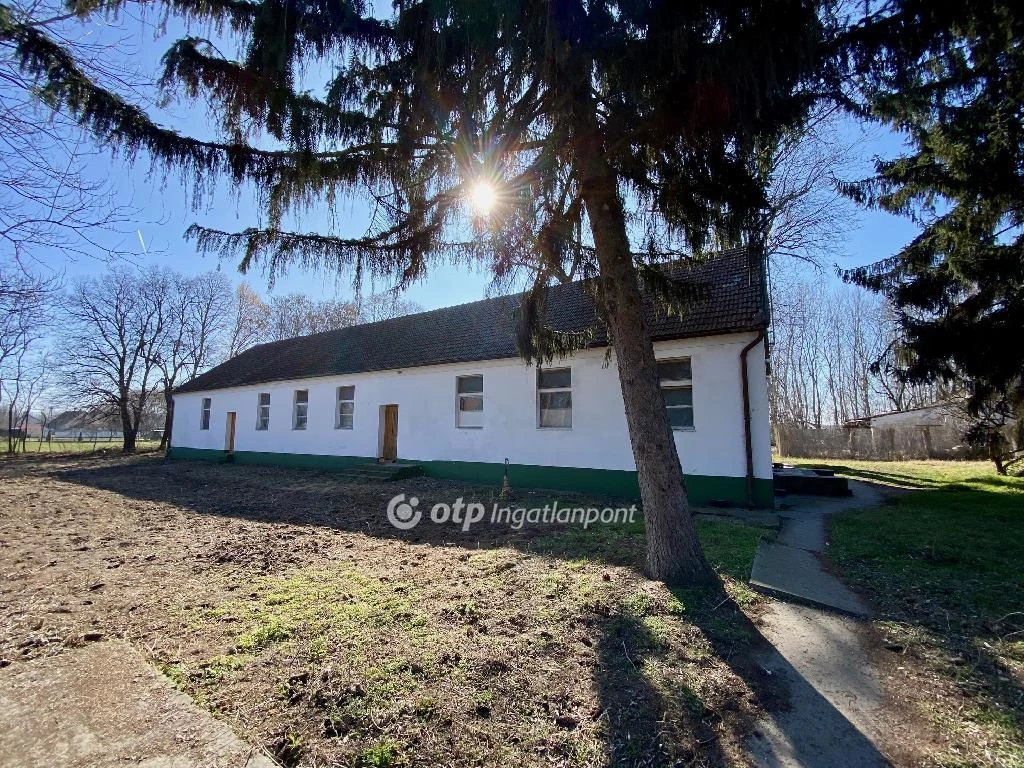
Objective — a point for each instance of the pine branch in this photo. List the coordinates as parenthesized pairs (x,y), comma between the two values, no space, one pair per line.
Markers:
(236,91)
(401,250)
(127,128)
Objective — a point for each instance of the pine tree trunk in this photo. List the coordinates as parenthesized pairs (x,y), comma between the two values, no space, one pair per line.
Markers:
(674,554)
(995,453)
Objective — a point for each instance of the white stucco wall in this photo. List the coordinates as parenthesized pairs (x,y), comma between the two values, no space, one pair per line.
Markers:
(427,414)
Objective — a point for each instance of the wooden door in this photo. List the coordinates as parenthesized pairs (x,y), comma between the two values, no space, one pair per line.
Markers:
(390,450)
(229,440)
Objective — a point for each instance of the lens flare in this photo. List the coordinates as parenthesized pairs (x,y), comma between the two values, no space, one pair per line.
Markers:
(482,197)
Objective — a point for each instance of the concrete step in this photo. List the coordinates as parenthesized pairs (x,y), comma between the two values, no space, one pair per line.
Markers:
(810,482)
(382,472)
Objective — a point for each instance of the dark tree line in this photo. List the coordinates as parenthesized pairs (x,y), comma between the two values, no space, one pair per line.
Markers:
(959,285)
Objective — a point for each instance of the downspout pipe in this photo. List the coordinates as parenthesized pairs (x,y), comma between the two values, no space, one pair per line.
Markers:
(748,441)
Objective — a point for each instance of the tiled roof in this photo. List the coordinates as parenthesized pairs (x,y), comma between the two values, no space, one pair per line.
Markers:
(730,300)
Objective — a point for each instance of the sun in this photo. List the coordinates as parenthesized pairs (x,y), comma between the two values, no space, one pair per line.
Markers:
(482,197)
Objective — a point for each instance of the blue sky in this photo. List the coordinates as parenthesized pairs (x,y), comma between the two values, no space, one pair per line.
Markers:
(165,206)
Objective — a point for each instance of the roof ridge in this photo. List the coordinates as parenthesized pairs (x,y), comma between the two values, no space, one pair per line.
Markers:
(484,330)
(682,262)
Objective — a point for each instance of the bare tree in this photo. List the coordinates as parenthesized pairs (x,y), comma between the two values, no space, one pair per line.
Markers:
(45,416)
(198,315)
(26,303)
(252,320)
(115,325)
(383,306)
(285,317)
(832,354)
(27,379)
(298,315)
(807,218)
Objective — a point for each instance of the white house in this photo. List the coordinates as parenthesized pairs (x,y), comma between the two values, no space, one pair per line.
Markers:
(446,390)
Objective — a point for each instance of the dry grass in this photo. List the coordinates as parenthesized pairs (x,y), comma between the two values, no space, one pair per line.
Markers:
(283,601)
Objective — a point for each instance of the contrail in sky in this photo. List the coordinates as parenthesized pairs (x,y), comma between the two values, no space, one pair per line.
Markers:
(144,249)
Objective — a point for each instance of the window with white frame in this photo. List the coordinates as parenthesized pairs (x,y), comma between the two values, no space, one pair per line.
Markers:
(676,380)
(554,398)
(204,418)
(343,418)
(300,410)
(263,411)
(470,392)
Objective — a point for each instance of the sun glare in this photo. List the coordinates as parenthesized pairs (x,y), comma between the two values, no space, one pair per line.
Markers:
(482,197)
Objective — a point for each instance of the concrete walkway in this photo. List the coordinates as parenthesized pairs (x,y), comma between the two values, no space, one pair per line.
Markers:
(837,714)
(105,705)
(789,568)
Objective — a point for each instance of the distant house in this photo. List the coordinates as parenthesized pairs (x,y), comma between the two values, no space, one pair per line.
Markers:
(89,425)
(30,429)
(448,391)
(930,431)
(935,415)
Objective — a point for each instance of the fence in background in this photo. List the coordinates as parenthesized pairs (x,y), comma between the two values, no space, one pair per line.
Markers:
(890,444)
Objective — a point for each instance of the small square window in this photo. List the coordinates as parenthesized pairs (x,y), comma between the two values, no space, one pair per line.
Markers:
(554,398)
(556,378)
(204,418)
(675,370)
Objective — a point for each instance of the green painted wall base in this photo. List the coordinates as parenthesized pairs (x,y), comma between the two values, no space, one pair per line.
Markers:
(702,489)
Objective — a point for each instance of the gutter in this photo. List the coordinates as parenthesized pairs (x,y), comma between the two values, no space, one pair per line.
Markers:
(748,443)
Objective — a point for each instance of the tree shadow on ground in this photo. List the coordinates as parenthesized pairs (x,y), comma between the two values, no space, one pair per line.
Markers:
(650,709)
(891,479)
(325,499)
(650,718)
(799,725)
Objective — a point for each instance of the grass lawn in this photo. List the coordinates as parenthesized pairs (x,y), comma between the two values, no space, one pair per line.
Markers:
(283,601)
(944,565)
(73,446)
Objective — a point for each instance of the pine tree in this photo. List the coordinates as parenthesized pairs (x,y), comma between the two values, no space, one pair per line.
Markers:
(955,90)
(615,134)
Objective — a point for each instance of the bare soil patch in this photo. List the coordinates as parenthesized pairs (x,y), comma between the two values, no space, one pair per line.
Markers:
(283,601)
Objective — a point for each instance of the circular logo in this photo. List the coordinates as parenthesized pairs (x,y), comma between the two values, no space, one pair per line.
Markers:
(404,515)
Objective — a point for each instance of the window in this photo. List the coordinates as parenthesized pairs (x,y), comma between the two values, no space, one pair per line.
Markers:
(346,408)
(676,380)
(470,391)
(204,418)
(300,412)
(263,411)
(554,398)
